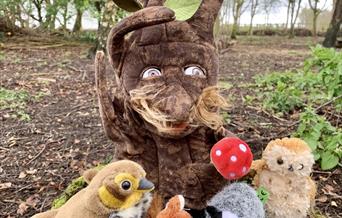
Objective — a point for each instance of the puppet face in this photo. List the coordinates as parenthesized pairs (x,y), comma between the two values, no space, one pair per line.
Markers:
(165,69)
(282,160)
(166,83)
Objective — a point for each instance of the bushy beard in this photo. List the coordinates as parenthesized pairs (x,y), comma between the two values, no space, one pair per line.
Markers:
(204,113)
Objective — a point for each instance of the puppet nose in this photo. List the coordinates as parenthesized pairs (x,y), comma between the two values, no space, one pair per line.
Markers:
(176,103)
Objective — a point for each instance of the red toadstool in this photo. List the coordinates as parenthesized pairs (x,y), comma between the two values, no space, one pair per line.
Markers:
(232,158)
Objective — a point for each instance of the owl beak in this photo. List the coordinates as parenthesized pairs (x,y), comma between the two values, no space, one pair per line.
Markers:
(145,185)
(291,168)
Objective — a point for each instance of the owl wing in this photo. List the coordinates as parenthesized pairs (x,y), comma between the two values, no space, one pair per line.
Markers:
(257,167)
(312,192)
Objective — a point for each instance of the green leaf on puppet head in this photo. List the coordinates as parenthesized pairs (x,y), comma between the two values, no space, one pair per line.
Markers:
(329,160)
(129,5)
(184,10)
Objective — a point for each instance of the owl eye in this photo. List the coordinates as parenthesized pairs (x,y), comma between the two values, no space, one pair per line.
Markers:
(194,71)
(126,185)
(301,167)
(280,161)
(151,72)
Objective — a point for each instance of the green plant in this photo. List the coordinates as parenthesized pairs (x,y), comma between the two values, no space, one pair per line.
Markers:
(15,101)
(183,9)
(87,36)
(319,81)
(324,139)
(2,56)
(75,186)
(328,64)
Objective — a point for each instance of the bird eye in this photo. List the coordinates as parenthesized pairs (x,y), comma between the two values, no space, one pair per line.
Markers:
(301,167)
(126,185)
(151,72)
(194,71)
(280,161)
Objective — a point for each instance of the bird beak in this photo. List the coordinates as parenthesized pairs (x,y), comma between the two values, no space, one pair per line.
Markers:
(145,185)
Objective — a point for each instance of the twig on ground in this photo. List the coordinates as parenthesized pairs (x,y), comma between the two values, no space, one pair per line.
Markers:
(35,157)
(268,114)
(328,102)
(318,108)
(22,188)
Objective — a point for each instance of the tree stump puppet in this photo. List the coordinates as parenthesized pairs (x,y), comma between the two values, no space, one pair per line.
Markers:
(163,110)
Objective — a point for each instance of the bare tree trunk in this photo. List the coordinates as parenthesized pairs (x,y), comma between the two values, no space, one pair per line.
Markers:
(236,14)
(107,21)
(314,24)
(234,28)
(7,25)
(38,5)
(78,22)
(287,14)
(335,25)
(315,11)
(294,16)
(254,5)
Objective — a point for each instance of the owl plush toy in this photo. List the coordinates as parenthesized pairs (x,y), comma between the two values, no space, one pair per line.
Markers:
(163,109)
(284,171)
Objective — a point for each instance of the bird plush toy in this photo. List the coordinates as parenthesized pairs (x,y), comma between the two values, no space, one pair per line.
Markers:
(118,190)
(284,171)
(174,208)
(238,200)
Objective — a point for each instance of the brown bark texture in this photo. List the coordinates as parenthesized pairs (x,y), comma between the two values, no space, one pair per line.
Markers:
(335,25)
(177,162)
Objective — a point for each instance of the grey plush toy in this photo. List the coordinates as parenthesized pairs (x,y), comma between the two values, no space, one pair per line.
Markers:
(237,200)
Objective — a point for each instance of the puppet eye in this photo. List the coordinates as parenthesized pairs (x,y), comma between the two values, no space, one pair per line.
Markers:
(194,71)
(151,72)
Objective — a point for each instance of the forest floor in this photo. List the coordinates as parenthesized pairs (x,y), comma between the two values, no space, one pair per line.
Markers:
(51,129)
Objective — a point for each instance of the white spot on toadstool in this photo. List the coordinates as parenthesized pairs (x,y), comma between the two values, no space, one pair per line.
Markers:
(242,147)
(231,175)
(218,152)
(233,158)
(244,169)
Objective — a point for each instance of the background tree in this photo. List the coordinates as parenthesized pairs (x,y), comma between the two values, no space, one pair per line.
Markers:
(335,25)
(306,19)
(316,12)
(253,7)
(237,6)
(268,6)
(294,12)
(225,15)
(80,6)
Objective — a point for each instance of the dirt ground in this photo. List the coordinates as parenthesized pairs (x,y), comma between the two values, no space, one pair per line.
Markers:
(39,157)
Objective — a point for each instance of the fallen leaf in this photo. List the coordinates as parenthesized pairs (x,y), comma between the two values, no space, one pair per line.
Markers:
(329,188)
(22,208)
(5,185)
(31,171)
(22,175)
(322,198)
(323,178)
(334,204)
(32,201)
